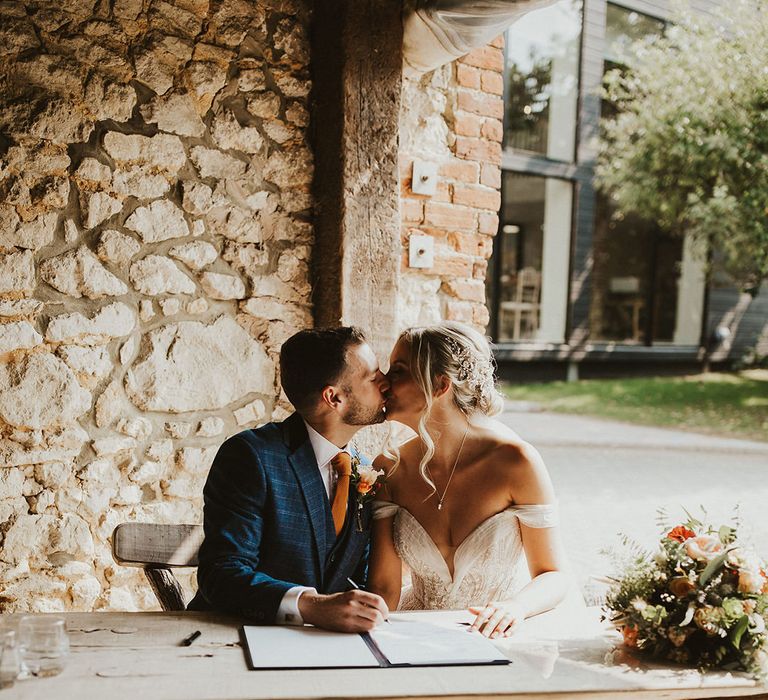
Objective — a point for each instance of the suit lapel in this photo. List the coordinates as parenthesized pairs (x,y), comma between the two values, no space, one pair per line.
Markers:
(303,462)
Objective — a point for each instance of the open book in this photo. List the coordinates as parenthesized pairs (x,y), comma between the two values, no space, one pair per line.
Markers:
(408,640)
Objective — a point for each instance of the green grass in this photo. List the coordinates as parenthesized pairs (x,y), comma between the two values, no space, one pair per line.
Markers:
(733,405)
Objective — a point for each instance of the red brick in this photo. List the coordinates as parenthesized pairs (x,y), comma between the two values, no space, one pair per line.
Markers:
(449,216)
(466,289)
(488,223)
(480,315)
(480,269)
(412,209)
(450,264)
(492,81)
(488,57)
(481,103)
(461,170)
(473,244)
(467,76)
(498,42)
(405,166)
(492,129)
(478,149)
(458,311)
(490,175)
(477,196)
(467,124)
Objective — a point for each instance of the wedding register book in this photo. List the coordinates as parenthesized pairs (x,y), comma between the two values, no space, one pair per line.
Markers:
(404,642)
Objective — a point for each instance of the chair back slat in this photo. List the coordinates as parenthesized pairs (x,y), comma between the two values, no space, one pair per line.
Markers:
(152,545)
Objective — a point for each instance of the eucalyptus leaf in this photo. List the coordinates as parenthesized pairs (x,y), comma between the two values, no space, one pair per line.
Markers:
(737,631)
(711,569)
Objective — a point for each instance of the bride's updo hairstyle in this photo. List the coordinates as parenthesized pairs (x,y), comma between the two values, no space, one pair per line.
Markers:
(462,355)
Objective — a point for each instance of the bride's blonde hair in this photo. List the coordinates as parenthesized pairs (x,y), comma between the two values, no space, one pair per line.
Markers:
(463,356)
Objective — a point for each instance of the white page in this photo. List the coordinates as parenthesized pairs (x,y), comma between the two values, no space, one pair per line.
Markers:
(305,647)
(417,642)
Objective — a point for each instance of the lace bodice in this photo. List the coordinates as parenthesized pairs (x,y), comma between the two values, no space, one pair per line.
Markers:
(488,565)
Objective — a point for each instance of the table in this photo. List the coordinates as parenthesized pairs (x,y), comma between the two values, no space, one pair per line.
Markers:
(118,656)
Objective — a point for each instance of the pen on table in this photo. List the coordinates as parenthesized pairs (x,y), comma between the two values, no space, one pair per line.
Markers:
(192,637)
(354,585)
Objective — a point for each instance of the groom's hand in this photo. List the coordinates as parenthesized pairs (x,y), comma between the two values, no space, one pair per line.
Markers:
(351,611)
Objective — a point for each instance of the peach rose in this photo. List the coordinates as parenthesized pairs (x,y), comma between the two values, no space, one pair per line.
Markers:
(367,477)
(363,487)
(703,547)
(750,581)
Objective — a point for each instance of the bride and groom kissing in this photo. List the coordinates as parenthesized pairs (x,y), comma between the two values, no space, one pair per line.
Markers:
(465,503)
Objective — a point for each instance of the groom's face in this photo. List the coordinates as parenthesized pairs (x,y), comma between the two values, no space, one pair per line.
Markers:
(364,387)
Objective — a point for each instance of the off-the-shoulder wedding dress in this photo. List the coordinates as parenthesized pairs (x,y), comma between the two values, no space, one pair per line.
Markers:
(488,565)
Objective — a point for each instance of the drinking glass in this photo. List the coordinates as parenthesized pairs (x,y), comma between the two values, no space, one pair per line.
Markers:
(9,658)
(43,644)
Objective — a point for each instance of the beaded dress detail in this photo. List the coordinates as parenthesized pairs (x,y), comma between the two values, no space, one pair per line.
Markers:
(488,565)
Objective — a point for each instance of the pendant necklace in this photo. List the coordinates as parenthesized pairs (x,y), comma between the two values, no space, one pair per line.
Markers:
(448,483)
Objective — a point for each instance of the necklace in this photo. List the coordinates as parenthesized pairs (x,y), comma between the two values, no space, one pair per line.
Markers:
(450,476)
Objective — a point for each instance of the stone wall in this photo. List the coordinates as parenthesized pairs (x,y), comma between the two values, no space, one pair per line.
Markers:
(154,243)
(453,118)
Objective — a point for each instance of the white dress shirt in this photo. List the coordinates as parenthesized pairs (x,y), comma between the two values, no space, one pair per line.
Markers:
(288,611)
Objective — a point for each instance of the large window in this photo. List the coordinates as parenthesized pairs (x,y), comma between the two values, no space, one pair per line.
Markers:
(530,264)
(646,286)
(542,79)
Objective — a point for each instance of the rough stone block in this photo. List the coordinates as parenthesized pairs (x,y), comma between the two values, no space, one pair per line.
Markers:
(223,360)
(24,381)
(162,151)
(221,286)
(79,273)
(174,112)
(17,274)
(196,255)
(18,335)
(155,275)
(117,248)
(114,321)
(159,221)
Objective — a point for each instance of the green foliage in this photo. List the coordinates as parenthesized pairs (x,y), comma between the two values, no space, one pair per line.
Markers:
(688,147)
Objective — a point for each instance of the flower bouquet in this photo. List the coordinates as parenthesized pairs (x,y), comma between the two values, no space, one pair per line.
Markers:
(700,600)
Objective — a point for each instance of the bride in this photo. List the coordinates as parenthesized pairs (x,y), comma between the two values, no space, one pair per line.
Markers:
(466,501)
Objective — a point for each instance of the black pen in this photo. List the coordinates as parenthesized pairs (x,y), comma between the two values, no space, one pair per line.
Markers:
(187,641)
(355,586)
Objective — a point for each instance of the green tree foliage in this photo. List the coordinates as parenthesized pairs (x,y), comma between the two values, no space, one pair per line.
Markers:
(688,144)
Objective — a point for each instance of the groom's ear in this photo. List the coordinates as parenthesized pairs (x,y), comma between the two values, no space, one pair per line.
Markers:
(331,397)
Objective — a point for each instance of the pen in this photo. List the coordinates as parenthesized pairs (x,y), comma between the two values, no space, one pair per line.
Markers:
(192,637)
(354,585)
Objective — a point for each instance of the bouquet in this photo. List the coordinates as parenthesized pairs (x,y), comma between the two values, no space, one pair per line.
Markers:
(700,600)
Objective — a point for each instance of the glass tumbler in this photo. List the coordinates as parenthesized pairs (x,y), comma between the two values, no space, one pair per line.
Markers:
(43,644)
(10,665)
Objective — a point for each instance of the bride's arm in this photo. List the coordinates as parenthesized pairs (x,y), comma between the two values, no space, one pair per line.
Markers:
(385,570)
(530,484)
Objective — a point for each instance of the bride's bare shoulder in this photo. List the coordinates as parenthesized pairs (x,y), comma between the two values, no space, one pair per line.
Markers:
(519,463)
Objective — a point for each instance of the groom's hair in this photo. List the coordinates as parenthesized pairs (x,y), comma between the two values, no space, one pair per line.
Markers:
(312,359)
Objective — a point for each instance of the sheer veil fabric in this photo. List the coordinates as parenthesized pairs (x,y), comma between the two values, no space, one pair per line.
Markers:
(488,565)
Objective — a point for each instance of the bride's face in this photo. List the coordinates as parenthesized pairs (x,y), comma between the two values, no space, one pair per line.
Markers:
(405,399)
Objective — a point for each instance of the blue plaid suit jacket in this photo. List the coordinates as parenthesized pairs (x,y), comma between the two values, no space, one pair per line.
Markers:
(268,525)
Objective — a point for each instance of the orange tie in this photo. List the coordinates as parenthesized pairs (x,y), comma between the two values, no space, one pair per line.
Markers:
(342,463)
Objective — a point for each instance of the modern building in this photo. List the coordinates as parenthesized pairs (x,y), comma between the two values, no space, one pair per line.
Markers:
(571,290)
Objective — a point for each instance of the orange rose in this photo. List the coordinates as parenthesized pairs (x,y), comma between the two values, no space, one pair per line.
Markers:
(681,586)
(363,487)
(680,533)
(630,635)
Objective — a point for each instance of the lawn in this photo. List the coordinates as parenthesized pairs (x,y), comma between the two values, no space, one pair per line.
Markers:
(733,405)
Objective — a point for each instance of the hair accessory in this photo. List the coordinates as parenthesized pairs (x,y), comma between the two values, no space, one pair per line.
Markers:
(477,373)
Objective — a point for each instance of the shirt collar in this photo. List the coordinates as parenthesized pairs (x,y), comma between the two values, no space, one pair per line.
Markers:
(323,448)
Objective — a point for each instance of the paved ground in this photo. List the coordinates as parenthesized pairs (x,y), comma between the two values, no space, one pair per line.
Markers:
(612,477)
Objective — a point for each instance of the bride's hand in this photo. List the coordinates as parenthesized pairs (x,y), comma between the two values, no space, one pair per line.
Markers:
(498,618)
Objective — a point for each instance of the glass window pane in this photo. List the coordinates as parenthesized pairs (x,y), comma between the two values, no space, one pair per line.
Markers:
(531,257)
(542,75)
(624,28)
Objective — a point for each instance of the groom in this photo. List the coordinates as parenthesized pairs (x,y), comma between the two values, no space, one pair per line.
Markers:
(281,536)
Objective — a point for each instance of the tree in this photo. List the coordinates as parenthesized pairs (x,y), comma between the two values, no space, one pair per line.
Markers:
(688,144)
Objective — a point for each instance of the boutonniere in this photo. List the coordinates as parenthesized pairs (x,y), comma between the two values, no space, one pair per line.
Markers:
(366,481)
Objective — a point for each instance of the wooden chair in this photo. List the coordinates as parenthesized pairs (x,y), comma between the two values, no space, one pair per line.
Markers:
(158,548)
(526,304)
